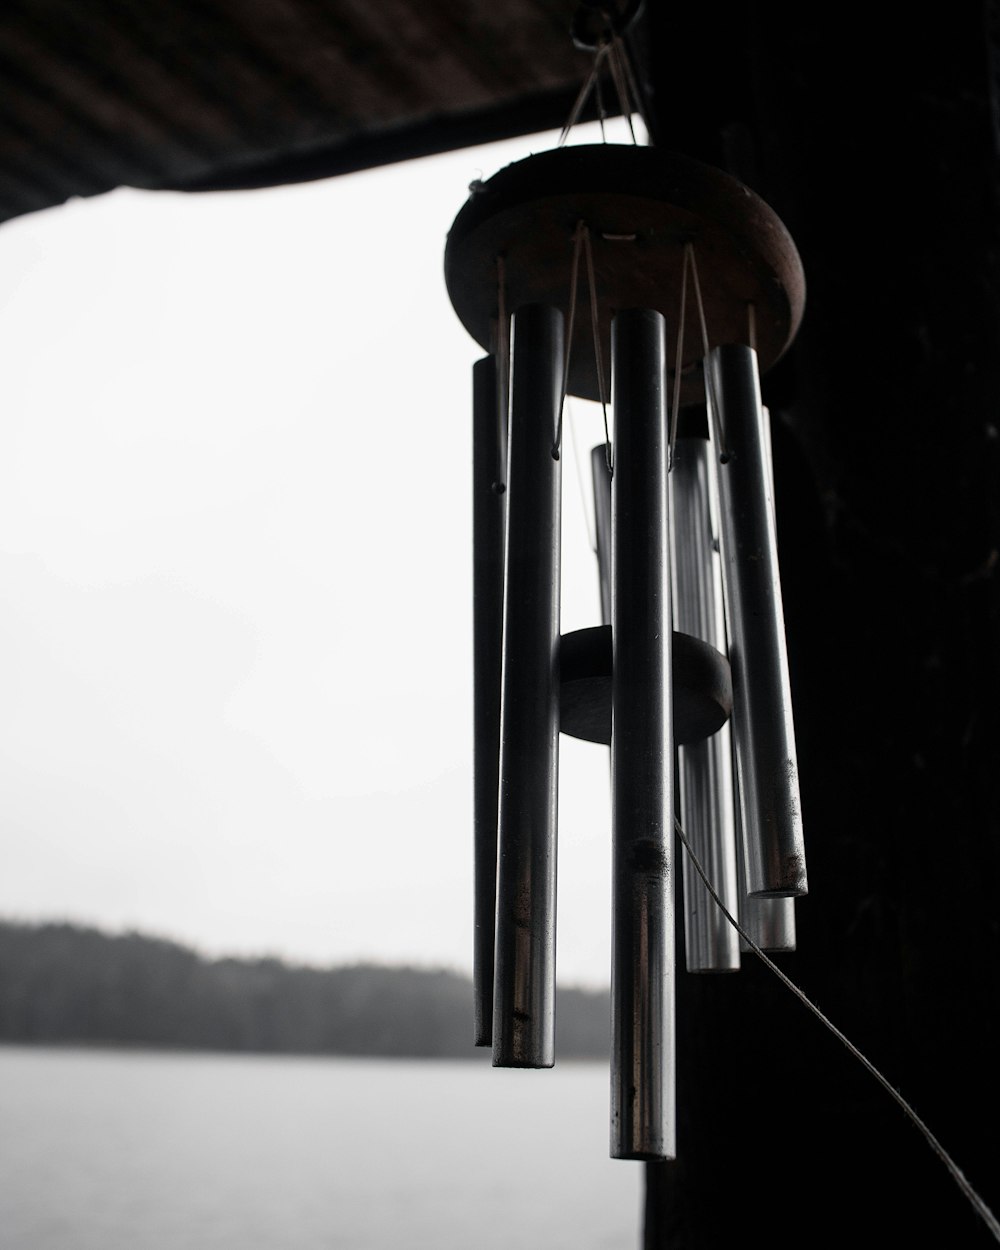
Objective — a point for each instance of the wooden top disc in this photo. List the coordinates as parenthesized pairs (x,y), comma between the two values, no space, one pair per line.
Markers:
(641,207)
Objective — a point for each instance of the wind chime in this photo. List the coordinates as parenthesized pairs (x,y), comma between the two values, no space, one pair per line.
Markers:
(687,677)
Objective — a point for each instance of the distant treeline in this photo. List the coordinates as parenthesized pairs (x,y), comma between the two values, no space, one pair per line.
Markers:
(63,983)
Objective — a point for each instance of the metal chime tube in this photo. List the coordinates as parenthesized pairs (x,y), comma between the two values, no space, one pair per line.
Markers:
(525,968)
(642,975)
(769,922)
(762,708)
(705,770)
(601,475)
(488,495)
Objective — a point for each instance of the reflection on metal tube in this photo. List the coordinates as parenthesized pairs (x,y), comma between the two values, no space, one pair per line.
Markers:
(488,474)
(769,922)
(525,970)
(705,771)
(762,709)
(642,974)
(602,524)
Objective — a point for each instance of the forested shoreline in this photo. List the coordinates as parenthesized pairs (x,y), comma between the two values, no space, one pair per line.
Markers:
(63,983)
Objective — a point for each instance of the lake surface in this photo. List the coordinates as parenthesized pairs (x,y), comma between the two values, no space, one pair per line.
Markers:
(124,1150)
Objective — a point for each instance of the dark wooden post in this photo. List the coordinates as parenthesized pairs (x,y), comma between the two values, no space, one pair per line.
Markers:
(887,482)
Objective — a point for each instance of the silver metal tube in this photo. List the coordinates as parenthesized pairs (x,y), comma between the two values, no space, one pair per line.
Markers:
(762,707)
(770,922)
(642,973)
(525,965)
(705,771)
(488,475)
(602,524)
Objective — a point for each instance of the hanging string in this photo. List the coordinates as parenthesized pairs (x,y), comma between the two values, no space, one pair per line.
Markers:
(610,48)
(715,414)
(977,1203)
(503,372)
(630,78)
(598,357)
(616,55)
(690,256)
(601,111)
(578,104)
(582,243)
(579,234)
(571,428)
(678,364)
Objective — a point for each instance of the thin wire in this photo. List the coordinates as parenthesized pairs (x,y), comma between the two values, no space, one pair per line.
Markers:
(689,254)
(715,412)
(583,94)
(957,1174)
(621,85)
(615,52)
(601,110)
(571,429)
(578,237)
(676,410)
(598,359)
(626,61)
(503,366)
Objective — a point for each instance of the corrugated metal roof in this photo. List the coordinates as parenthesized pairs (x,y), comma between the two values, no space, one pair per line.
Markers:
(204,93)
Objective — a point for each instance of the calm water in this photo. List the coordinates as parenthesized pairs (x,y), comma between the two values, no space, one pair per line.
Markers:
(101,1150)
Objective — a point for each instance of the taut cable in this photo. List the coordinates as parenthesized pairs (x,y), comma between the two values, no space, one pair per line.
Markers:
(598,358)
(676,408)
(959,1177)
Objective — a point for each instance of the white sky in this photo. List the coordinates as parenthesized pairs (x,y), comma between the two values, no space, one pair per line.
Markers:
(235,575)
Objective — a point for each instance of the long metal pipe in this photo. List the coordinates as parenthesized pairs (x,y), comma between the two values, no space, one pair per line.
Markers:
(488,495)
(705,771)
(769,922)
(601,475)
(762,707)
(642,974)
(525,965)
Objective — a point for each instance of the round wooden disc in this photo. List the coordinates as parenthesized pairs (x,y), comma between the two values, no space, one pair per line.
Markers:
(702,686)
(641,206)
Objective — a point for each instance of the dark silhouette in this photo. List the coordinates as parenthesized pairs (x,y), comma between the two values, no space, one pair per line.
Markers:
(63,983)
(877,143)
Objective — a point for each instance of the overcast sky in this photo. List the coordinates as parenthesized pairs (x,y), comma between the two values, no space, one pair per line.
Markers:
(235,575)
